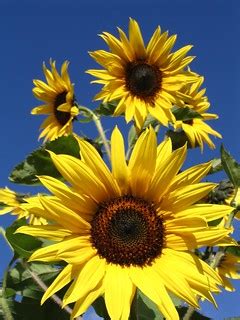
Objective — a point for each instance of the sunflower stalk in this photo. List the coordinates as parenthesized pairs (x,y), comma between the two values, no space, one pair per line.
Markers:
(98,124)
(44,287)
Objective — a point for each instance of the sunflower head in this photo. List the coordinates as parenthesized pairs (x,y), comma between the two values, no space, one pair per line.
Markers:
(144,79)
(196,129)
(128,228)
(58,97)
(16,205)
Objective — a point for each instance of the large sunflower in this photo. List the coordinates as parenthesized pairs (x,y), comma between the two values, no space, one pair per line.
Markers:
(15,204)
(145,79)
(58,97)
(196,129)
(134,227)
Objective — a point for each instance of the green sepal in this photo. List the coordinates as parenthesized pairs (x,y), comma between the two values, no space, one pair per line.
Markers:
(40,163)
(185,114)
(231,167)
(106,109)
(23,245)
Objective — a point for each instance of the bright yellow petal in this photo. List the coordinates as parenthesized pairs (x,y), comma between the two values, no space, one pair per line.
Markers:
(89,277)
(142,162)
(119,166)
(61,281)
(150,283)
(119,292)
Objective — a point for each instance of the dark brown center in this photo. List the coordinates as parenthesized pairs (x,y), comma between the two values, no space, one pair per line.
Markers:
(143,80)
(190,122)
(127,231)
(62,117)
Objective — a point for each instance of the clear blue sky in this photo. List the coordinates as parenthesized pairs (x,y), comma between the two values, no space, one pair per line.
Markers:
(33,31)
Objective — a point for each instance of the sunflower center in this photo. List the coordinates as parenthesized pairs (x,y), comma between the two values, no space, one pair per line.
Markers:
(62,117)
(127,231)
(143,80)
(190,122)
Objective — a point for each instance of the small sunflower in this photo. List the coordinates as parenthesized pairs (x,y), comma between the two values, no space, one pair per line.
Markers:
(145,79)
(196,129)
(132,227)
(14,204)
(229,268)
(58,97)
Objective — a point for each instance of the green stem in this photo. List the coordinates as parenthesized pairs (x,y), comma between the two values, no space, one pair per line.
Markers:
(99,127)
(188,315)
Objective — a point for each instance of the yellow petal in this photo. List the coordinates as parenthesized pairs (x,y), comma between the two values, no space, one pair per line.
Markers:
(142,162)
(149,282)
(119,166)
(80,176)
(51,232)
(185,196)
(83,304)
(136,40)
(209,212)
(92,159)
(166,173)
(89,277)
(67,196)
(64,216)
(119,292)
(61,281)
(190,176)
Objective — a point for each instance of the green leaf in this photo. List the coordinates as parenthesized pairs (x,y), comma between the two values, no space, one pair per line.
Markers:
(40,163)
(144,309)
(195,316)
(100,308)
(29,309)
(23,244)
(185,114)
(20,280)
(106,109)
(231,167)
(235,250)
(178,139)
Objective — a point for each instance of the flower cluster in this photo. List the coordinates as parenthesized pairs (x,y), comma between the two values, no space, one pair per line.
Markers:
(142,224)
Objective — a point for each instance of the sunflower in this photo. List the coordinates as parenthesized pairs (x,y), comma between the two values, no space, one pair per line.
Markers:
(14,203)
(144,79)
(196,129)
(58,97)
(130,228)
(229,268)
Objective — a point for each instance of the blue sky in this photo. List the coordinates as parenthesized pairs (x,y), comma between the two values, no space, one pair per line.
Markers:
(34,31)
